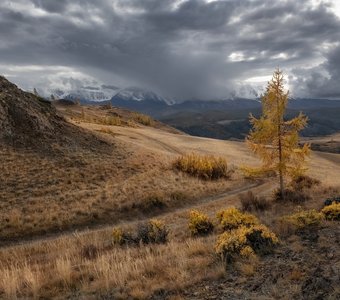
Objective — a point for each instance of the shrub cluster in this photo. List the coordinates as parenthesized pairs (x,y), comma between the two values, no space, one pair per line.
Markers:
(332,212)
(202,166)
(152,232)
(243,235)
(232,218)
(245,242)
(199,223)
(250,202)
(303,219)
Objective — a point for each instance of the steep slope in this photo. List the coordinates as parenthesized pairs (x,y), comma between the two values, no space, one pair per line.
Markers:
(30,121)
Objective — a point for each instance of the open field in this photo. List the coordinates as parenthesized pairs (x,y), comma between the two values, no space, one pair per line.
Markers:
(58,212)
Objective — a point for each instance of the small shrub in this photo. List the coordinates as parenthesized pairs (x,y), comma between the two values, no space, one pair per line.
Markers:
(113,121)
(202,166)
(245,242)
(304,219)
(153,232)
(199,223)
(332,212)
(232,218)
(303,182)
(250,202)
(143,119)
(294,196)
(119,237)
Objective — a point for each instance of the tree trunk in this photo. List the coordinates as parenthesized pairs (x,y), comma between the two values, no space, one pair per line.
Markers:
(280,165)
(281,186)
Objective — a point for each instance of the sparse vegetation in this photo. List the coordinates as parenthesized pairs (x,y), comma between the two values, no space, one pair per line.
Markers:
(302,182)
(290,195)
(250,202)
(102,197)
(202,166)
(199,223)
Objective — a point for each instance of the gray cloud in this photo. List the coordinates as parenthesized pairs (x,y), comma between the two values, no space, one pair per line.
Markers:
(185,49)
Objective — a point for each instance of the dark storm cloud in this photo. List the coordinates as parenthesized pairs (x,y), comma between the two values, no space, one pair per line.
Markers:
(58,6)
(183,48)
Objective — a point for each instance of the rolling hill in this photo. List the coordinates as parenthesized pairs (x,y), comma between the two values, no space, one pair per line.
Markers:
(109,172)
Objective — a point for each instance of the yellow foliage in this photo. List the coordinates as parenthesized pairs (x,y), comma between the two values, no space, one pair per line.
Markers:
(276,140)
(304,218)
(117,236)
(113,121)
(203,166)
(332,212)
(143,119)
(232,218)
(199,223)
(154,231)
(245,242)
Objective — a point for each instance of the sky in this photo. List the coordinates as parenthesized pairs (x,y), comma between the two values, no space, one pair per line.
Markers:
(183,49)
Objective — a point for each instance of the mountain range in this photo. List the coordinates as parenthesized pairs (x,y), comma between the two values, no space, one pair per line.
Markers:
(216,118)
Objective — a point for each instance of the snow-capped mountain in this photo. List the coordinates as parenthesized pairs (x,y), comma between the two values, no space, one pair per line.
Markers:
(139,94)
(88,93)
(113,94)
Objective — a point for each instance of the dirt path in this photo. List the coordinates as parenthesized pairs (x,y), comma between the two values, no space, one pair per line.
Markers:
(172,213)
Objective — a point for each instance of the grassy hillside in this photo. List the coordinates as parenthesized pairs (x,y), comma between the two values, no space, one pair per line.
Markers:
(150,216)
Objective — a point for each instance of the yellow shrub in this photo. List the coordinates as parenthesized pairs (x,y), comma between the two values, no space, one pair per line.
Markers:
(202,166)
(154,231)
(121,237)
(304,218)
(332,212)
(245,242)
(117,236)
(232,218)
(199,223)
(143,119)
(115,121)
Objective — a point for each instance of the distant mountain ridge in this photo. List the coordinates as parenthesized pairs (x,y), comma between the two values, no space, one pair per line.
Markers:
(223,119)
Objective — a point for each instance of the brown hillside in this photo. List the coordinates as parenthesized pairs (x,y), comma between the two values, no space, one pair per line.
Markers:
(32,122)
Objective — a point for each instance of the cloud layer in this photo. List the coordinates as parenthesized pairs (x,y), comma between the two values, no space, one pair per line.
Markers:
(184,49)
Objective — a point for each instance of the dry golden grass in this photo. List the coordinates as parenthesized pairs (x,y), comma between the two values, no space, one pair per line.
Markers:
(45,193)
(136,271)
(62,267)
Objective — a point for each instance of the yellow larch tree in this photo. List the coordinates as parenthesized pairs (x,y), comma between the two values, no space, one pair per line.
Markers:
(274,139)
